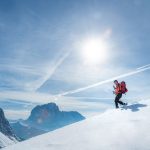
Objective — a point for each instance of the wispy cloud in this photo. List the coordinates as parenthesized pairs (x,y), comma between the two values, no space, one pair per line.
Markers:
(16,114)
(26,96)
(21,69)
(18,76)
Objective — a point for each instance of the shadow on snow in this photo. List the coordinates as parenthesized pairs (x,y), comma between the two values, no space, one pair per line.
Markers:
(134,107)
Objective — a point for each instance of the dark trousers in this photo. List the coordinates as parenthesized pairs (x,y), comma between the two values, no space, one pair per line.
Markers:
(117,100)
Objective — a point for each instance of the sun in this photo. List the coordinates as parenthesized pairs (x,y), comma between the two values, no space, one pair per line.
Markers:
(94,50)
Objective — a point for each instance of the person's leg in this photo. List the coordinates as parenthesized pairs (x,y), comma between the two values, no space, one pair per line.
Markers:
(116,101)
(120,102)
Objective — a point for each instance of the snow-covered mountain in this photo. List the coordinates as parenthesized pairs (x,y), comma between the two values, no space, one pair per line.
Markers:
(5,141)
(121,129)
(7,136)
(44,118)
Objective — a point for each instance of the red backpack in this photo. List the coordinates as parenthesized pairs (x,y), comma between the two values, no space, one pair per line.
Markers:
(123,87)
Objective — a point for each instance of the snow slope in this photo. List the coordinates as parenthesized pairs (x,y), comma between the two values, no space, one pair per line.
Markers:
(127,129)
(5,141)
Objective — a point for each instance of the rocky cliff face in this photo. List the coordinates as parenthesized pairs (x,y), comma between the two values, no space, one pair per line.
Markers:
(5,127)
(7,135)
(44,113)
(49,117)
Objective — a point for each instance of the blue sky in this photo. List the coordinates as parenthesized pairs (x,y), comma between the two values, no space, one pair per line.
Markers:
(41,57)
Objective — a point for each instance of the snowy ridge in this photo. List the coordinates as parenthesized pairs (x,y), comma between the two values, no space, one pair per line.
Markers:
(5,141)
(122,129)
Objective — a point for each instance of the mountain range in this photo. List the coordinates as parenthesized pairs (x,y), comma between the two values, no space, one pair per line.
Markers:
(126,128)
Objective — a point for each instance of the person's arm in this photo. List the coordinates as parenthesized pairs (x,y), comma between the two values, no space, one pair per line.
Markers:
(114,92)
(114,89)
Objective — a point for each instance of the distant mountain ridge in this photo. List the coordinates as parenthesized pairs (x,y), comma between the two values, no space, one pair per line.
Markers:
(48,116)
(24,131)
(44,118)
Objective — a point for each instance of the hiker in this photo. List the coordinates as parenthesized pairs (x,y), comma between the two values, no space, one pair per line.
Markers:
(119,89)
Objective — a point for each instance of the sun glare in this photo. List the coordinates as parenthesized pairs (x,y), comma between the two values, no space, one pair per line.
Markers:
(94,50)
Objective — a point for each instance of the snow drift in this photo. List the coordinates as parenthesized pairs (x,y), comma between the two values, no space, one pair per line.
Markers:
(121,129)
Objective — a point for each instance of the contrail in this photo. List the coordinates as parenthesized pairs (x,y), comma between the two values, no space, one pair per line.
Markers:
(144,68)
(41,82)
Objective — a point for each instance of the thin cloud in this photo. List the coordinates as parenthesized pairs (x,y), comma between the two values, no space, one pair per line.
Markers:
(26,96)
(16,114)
(20,69)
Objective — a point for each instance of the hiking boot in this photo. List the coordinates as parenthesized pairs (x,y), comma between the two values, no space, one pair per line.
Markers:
(125,104)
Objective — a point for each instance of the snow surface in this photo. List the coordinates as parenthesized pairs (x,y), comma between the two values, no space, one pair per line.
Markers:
(121,129)
(5,141)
